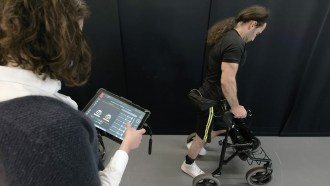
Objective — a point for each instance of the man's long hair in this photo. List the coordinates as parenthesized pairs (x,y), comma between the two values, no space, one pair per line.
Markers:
(256,13)
(44,36)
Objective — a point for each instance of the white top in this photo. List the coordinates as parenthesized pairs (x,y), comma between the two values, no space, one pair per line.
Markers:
(16,82)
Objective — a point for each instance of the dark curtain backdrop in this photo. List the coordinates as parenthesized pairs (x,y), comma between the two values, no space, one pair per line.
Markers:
(102,30)
(152,52)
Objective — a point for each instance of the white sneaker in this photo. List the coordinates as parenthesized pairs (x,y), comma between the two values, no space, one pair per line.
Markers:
(202,152)
(192,170)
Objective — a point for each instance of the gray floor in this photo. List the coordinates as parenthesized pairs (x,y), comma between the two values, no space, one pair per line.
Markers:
(297,161)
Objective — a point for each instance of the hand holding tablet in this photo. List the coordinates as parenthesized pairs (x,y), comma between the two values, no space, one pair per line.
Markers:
(132,138)
(110,114)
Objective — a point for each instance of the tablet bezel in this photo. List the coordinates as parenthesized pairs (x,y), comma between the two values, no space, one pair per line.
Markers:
(124,100)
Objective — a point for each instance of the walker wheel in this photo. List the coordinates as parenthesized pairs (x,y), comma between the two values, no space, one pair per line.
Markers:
(191,137)
(258,176)
(256,144)
(206,180)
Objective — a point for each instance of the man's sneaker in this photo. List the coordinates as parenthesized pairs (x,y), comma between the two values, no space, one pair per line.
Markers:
(202,152)
(192,170)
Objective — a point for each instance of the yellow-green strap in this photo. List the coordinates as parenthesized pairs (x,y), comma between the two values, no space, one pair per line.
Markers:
(209,121)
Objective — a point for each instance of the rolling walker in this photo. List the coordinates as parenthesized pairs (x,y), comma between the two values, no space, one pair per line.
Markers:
(246,146)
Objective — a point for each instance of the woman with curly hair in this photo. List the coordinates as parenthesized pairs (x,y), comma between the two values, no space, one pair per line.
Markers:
(44,140)
(226,52)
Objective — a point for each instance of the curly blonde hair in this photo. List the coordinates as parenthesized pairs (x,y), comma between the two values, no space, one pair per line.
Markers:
(255,12)
(44,36)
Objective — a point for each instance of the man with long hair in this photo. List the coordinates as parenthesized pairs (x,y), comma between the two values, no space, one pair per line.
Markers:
(226,52)
(44,140)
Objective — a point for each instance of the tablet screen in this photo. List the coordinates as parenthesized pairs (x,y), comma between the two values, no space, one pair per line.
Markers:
(110,113)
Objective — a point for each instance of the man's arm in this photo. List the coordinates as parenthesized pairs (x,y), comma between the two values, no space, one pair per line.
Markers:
(229,88)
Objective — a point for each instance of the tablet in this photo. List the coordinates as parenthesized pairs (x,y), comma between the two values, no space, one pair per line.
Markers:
(110,113)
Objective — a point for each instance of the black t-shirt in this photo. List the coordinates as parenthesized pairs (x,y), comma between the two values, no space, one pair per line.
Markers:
(231,49)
